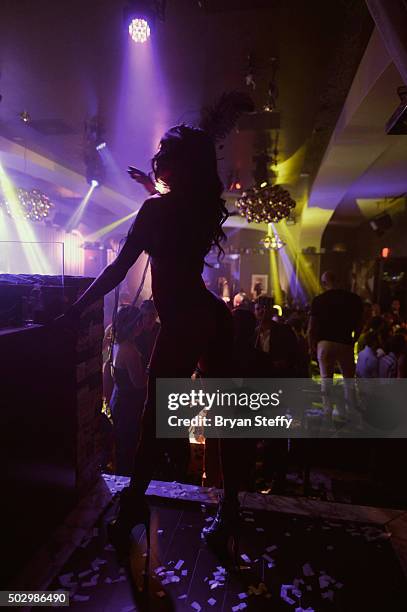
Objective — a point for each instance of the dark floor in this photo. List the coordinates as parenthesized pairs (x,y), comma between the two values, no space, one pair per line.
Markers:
(288,563)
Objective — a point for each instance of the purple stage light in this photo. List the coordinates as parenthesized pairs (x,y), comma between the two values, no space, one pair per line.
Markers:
(139,30)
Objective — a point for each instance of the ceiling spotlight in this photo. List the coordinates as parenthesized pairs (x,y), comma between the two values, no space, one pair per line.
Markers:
(272,243)
(140,17)
(101,146)
(94,183)
(139,30)
(25,117)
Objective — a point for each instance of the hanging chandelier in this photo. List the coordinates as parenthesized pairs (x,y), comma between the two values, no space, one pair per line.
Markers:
(33,205)
(267,204)
(272,243)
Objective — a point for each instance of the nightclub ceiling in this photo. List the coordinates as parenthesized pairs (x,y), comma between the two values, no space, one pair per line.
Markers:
(65,62)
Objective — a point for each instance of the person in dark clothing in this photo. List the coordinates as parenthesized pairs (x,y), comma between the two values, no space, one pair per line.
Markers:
(303,362)
(248,361)
(276,339)
(334,327)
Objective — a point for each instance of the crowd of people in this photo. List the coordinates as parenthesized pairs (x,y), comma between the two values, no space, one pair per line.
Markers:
(336,332)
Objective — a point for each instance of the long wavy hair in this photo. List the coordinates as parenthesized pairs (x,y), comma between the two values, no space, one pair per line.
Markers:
(186,163)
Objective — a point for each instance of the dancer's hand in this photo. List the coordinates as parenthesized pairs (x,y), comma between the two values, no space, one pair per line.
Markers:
(142,178)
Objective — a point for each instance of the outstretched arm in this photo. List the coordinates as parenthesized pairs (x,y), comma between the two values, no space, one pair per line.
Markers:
(113,274)
(109,278)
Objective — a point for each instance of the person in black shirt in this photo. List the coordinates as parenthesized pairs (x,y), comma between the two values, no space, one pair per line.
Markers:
(334,327)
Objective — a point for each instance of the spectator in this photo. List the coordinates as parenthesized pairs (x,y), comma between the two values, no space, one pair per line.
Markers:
(249,361)
(241,300)
(395,311)
(368,362)
(276,339)
(334,326)
(389,363)
(375,325)
(303,360)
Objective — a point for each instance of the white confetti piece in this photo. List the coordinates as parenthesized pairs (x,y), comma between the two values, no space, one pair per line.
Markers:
(184,573)
(242,595)
(245,558)
(249,520)
(184,596)
(179,564)
(259,529)
(267,558)
(160,531)
(159,569)
(211,601)
(195,605)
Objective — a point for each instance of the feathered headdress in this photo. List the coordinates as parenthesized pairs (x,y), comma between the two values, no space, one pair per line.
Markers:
(220,119)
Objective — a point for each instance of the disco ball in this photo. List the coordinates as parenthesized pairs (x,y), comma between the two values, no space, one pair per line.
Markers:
(33,205)
(139,30)
(268,204)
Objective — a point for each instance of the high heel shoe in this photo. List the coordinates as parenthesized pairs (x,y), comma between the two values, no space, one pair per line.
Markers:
(133,512)
(222,536)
